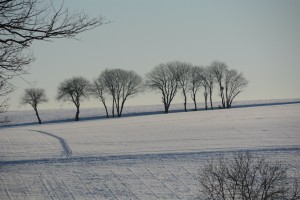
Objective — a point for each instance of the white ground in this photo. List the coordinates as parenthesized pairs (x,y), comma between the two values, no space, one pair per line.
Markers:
(27,117)
(143,157)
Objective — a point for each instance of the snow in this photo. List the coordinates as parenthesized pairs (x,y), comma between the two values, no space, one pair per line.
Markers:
(28,117)
(140,157)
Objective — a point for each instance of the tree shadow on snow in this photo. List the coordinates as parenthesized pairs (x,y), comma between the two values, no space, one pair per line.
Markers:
(143,113)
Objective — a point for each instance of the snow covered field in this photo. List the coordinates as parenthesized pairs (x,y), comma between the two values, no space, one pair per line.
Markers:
(27,117)
(141,157)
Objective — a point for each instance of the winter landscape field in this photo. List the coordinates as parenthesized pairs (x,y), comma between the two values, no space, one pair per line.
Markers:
(150,156)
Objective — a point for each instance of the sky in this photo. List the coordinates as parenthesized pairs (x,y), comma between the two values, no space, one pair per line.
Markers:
(259,38)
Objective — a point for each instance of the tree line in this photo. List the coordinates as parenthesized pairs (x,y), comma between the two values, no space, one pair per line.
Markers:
(24,21)
(119,85)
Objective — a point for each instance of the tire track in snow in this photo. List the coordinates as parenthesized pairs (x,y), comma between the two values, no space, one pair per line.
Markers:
(67,152)
(124,184)
(142,182)
(86,187)
(5,188)
(177,178)
(165,186)
(44,184)
(67,188)
(110,192)
(25,188)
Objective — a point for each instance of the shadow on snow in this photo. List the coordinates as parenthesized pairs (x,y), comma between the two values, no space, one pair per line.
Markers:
(146,113)
(155,156)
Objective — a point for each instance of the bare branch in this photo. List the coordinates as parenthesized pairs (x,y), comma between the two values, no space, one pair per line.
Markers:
(23,21)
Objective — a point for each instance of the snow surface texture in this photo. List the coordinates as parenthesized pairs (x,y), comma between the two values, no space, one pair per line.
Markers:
(143,157)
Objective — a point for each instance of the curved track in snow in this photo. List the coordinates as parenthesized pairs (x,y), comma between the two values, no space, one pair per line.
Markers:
(67,152)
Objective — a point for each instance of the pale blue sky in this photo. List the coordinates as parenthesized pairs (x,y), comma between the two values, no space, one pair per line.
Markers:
(259,38)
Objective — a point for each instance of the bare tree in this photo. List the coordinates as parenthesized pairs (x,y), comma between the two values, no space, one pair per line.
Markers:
(25,21)
(246,177)
(12,63)
(131,85)
(122,85)
(235,82)
(195,83)
(34,97)
(74,90)
(208,81)
(183,70)
(164,78)
(219,69)
(99,91)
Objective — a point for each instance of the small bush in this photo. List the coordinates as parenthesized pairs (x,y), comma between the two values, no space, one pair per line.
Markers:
(246,177)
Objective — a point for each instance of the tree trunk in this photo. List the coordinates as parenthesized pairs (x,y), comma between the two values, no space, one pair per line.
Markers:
(222,95)
(223,100)
(166,108)
(117,103)
(195,103)
(210,98)
(185,100)
(230,103)
(105,109)
(227,104)
(37,115)
(122,106)
(193,96)
(205,98)
(113,108)
(77,114)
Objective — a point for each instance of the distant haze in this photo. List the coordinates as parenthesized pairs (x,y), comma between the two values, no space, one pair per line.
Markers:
(259,38)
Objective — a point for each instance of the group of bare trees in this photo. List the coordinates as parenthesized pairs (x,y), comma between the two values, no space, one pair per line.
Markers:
(24,21)
(171,77)
(118,85)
